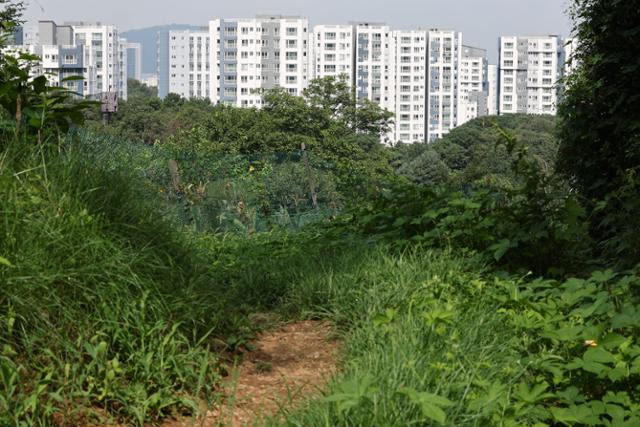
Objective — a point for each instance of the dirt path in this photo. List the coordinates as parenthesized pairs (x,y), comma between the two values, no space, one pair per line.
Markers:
(289,365)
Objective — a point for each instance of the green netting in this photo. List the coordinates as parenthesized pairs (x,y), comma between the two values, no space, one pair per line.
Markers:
(216,192)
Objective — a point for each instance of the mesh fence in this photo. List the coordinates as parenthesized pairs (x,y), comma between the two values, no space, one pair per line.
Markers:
(240,193)
(253,193)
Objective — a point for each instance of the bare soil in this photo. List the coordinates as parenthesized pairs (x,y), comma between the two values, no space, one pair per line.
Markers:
(290,365)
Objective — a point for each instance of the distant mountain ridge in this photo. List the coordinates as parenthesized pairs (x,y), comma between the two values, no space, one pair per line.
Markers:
(147,37)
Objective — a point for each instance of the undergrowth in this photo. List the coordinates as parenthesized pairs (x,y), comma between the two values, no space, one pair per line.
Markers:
(432,338)
(95,295)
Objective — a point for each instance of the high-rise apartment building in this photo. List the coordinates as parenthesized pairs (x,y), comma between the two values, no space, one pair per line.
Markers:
(60,57)
(162,65)
(104,53)
(374,69)
(570,63)
(189,63)
(473,90)
(492,90)
(123,57)
(249,55)
(410,79)
(134,61)
(26,35)
(237,60)
(530,70)
(445,52)
(331,50)
(429,80)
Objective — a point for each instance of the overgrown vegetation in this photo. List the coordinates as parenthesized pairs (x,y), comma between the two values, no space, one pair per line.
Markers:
(471,282)
(470,154)
(600,124)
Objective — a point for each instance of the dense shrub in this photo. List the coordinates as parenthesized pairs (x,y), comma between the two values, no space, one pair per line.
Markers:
(600,123)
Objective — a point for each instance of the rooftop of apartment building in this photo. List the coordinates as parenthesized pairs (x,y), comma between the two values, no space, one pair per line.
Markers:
(190,31)
(369,24)
(275,17)
(85,24)
(472,51)
(533,36)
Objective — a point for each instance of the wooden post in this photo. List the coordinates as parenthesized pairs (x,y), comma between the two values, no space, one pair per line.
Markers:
(175,176)
(312,184)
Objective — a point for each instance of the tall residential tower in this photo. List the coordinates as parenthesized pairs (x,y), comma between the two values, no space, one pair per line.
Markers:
(249,55)
(529,72)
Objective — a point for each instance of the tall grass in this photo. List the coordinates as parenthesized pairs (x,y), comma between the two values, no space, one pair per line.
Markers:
(414,325)
(94,286)
(108,310)
(417,321)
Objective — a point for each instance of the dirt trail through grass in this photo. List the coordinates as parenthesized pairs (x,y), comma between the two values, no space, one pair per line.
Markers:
(290,364)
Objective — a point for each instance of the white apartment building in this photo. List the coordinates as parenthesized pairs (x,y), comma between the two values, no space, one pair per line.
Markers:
(134,61)
(60,62)
(15,50)
(473,92)
(410,79)
(445,52)
(60,57)
(237,60)
(570,46)
(291,73)
(102,52)
(123,56)
(492,90)
(429,80)
(189,63)
(530,69)
(150,80)
(249,55)
(30,35)
(331,50)
(374,69)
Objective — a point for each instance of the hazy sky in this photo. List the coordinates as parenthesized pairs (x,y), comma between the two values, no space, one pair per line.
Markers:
(481,21)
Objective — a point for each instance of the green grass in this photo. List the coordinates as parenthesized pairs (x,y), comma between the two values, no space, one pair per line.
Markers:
(415,321)
(108,310)
(108,305)
(93,296)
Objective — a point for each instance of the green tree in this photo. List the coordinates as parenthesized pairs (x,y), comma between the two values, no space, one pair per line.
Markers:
(10,14)
(427,169)
(137,89)
(337,99)
(600,121)
(473,152)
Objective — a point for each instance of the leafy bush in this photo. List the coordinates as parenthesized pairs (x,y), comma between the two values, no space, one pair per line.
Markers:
(473,153)
(600,123)
(534,224)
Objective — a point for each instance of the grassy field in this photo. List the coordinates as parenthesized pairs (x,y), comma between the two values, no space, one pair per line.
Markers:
(108,305)
(96,290)
(111,311)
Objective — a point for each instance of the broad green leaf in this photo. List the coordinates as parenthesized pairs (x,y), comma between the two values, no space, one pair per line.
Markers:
(429,403)
(594,367)
(500,248)
(433,412)
(564,334)
(612,341)
(534,394)
(598,354)
(603,276)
